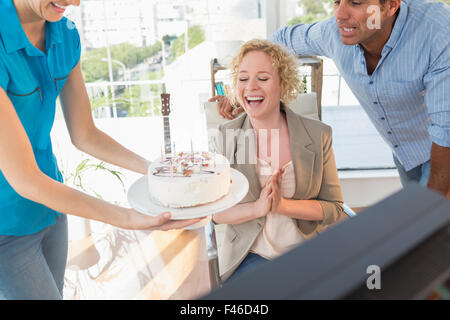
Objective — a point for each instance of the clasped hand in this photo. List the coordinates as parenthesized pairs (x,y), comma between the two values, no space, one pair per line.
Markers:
(270,199)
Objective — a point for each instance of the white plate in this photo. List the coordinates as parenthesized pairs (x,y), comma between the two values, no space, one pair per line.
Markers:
(140,200)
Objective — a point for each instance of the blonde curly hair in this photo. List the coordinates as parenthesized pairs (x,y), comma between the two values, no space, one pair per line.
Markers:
(286,64)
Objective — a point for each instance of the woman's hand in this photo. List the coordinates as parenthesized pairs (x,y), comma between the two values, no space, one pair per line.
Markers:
(275,184)
(263,205)
(139,221)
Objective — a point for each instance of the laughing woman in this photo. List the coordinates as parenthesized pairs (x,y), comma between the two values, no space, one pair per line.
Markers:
(39,61)
(294,190)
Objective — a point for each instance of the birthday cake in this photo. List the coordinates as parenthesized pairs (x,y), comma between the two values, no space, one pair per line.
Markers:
(188,179)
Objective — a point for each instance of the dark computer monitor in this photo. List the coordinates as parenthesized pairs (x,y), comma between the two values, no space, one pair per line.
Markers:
(400,245)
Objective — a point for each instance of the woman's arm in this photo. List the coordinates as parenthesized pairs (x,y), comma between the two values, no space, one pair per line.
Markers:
(244,212)
(330,194)
(236,215)
(327,207)
(85,135)
(247,211)
(18,165)
(310,210)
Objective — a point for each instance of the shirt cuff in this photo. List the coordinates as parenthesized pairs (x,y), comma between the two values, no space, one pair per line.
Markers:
(440,135)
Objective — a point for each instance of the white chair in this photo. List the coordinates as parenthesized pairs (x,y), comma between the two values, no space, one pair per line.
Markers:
(305,105)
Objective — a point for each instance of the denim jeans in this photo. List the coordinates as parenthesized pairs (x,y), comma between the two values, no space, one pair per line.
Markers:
(419,174)
(32,267)
(251,261)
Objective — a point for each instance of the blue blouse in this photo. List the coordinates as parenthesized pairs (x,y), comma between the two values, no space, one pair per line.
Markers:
(33,80)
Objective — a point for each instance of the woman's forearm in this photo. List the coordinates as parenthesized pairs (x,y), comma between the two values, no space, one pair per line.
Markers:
(310,210)
(83,132)
(101,146)
(236,215)
(61,198)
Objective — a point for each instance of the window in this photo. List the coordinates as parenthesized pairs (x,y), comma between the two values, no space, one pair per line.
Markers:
(135,49)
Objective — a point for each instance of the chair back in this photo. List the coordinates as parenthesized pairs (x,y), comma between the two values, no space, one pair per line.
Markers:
(305,105)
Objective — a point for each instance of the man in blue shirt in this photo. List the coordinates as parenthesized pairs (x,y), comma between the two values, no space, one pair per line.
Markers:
(394,55)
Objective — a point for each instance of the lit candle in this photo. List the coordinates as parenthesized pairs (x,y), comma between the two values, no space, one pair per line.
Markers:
(192,152)
(214,155)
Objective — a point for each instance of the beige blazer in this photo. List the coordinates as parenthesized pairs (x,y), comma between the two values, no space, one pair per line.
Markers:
(315,175)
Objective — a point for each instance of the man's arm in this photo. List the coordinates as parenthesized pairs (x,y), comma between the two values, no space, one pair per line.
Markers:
(437,100)
(315,39)
(440,170)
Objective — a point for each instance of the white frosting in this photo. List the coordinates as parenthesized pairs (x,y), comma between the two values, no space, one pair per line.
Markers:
(192,181)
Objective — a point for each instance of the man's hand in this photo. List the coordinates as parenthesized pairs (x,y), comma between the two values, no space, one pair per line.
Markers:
(440,170)
(224,107)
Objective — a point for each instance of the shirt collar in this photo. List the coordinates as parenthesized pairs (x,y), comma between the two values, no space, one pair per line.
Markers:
(13,35)
(398,26)
(54,34)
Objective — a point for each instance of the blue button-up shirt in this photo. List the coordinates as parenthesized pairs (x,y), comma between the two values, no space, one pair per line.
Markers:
(33,80)
(407,97)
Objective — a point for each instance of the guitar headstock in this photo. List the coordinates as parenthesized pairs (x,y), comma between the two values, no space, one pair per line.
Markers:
(165,104)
